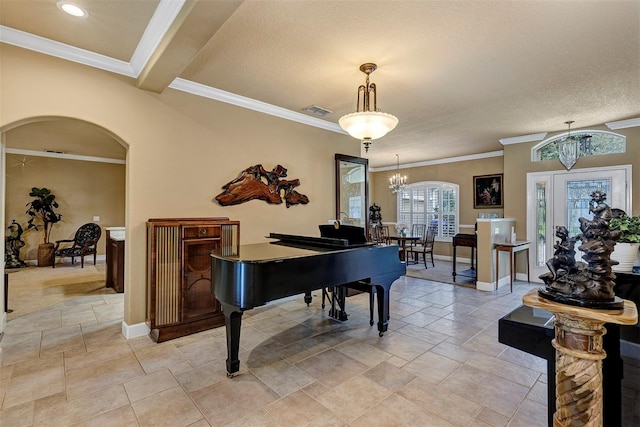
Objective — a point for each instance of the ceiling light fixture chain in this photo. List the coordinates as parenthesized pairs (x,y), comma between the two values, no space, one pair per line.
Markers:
(398,183)
(367,124)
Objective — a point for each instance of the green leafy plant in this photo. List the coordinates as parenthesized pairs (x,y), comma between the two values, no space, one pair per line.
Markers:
(41,211)
(629,226)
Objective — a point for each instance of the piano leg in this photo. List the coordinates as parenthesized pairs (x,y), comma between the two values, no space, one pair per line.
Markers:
(308,298)
(233,321)
(383,308)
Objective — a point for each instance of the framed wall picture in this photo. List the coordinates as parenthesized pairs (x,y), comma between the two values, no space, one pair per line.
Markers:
(487,191)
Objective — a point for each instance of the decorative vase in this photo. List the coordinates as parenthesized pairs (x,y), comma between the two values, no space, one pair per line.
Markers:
(45,255)
(625,254)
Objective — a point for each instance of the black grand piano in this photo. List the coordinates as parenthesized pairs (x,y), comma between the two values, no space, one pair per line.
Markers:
(293,265)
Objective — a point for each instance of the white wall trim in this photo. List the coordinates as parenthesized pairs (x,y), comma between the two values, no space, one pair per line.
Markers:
(524,138)
(252,104)
(64,51)
(158,26)
(623,124)
(134,331)
(487,155)
(485,286)
(66,156)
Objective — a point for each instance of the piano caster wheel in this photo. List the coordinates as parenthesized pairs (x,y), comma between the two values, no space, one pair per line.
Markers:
(231,375)
(380,334)
(371,323)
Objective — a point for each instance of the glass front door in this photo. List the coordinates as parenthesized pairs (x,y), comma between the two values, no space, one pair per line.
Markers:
(560,198)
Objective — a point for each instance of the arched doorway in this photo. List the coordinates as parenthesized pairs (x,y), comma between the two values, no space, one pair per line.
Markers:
(82,163)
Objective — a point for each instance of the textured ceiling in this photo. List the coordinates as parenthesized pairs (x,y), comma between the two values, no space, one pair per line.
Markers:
(459,75)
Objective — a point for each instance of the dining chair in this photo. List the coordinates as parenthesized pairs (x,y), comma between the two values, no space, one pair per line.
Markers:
(383,235)
(417,230)
(425,247)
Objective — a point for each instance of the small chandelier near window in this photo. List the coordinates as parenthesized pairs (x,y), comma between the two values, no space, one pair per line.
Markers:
(397,182)
(569,149)
(367,124)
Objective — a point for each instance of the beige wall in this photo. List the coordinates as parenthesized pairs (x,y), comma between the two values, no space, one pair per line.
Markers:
(460,173)
(181,150)
(517,163)
(82,189)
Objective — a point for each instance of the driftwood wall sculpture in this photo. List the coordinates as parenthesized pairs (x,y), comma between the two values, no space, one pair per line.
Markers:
(255,182)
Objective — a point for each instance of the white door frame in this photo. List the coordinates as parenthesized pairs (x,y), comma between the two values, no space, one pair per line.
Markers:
(551,178)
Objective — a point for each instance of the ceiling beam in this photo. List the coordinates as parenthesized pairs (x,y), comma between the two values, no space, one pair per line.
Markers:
(195,24)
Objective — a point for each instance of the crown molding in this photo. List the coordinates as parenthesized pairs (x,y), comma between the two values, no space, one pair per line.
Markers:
(252,104)
(479,156)
(524,138)
(64,51)
(159,24)
(623,124)
(64,156)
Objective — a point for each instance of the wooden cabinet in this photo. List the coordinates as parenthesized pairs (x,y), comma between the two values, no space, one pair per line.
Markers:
(179,295)
(115,264)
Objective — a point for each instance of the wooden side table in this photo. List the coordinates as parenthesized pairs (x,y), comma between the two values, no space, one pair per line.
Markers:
(513,249)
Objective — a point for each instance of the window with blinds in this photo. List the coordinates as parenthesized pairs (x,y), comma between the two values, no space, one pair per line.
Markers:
(431,203)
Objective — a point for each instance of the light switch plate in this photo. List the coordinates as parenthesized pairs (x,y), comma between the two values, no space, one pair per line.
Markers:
(96,218)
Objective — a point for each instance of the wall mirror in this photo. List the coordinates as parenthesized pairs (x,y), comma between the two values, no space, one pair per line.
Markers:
(352,190)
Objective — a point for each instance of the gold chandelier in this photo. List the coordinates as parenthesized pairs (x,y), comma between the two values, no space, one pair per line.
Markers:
(366,124)
(397,183)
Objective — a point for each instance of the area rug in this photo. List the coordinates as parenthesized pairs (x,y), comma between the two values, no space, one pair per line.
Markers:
(442,273)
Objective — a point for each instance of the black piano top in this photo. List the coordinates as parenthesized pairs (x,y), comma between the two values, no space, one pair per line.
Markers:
(263,272)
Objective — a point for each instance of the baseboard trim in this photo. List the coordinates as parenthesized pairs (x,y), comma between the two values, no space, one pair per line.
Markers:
(134,331)
(485,286)
(88,260)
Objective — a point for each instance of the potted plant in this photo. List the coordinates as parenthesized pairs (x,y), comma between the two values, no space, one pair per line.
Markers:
(626,249)
(42,214)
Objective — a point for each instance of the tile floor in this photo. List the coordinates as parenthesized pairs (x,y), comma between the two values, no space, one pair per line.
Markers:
(440,364)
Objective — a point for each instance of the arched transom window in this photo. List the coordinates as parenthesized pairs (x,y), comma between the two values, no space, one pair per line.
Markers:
(592,143)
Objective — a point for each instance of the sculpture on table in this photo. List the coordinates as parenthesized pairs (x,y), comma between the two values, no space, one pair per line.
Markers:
(587,284)
(255,182)
(12,244)
(564,257)
(375,217)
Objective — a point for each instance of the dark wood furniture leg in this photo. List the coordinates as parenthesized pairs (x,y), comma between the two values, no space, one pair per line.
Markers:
(383,308)
(233,322)
(454,263)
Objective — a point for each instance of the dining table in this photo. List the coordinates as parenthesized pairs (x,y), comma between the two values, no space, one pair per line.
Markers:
(402,243)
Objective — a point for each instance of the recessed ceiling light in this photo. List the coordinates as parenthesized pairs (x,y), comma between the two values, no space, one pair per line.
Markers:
(72,9)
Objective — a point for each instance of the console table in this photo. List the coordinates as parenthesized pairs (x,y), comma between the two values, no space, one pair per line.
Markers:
(513,249)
